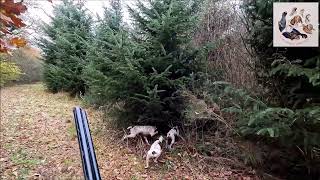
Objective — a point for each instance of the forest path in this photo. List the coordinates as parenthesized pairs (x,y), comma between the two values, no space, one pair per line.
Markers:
(38,141)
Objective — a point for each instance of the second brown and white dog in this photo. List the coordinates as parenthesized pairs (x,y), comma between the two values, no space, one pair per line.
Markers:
(172,136)
(154,152)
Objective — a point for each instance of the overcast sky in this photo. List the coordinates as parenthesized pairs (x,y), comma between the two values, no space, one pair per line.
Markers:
(40,10)
(44,8)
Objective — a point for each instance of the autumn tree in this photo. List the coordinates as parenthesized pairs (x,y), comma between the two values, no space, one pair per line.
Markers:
(10,21)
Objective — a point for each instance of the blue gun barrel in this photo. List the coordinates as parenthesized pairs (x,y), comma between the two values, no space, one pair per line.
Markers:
(88,156)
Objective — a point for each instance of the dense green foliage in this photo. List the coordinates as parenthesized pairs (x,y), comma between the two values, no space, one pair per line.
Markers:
(294,132)
(64,48)
(145,69)
(292,79)
(8,72)
(292,75)
(111,44)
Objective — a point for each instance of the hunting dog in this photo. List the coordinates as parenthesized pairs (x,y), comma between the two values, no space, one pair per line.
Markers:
(143,130)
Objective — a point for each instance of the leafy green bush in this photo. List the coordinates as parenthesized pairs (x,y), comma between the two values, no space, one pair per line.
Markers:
(28,60)
(8,72)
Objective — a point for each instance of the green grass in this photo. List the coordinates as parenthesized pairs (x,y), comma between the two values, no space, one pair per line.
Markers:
(23,173)
(67,162)
(134,177)
(8,146)
(25,162)
(72,131)
(21,158)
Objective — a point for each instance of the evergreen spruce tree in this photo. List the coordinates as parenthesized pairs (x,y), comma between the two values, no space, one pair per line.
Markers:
(145,69)
(106,49)
(163,30)
(65,47)
(113,16)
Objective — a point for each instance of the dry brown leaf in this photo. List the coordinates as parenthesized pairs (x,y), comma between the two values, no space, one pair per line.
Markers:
(18,42)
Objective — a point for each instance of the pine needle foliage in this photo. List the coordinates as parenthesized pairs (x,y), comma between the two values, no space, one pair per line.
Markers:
(145,68)
(65,46)
(163,29)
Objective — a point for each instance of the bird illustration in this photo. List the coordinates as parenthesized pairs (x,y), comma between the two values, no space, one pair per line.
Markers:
(282,22)
(294,35)
(302,12)
(291,35)
(287,35)
(293,11)
(308,16)
(295,20)
(295,31)
(308,28)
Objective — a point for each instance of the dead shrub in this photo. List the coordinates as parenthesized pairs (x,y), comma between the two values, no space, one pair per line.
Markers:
(221,24)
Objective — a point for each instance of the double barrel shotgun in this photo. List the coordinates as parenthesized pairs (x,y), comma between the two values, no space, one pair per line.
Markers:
(88,156)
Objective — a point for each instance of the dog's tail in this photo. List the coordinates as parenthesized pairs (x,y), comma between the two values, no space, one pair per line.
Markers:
(129,127)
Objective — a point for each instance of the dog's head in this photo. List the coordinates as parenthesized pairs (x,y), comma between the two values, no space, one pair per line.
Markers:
(153,133)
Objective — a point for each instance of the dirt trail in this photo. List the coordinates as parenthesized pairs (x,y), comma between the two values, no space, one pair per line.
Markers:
(38,141)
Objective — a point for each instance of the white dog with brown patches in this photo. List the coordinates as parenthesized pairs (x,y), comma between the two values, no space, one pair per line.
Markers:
(172,136)
(144,130)
(154,152)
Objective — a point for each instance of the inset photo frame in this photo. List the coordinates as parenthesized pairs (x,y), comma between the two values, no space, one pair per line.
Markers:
(296,24)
